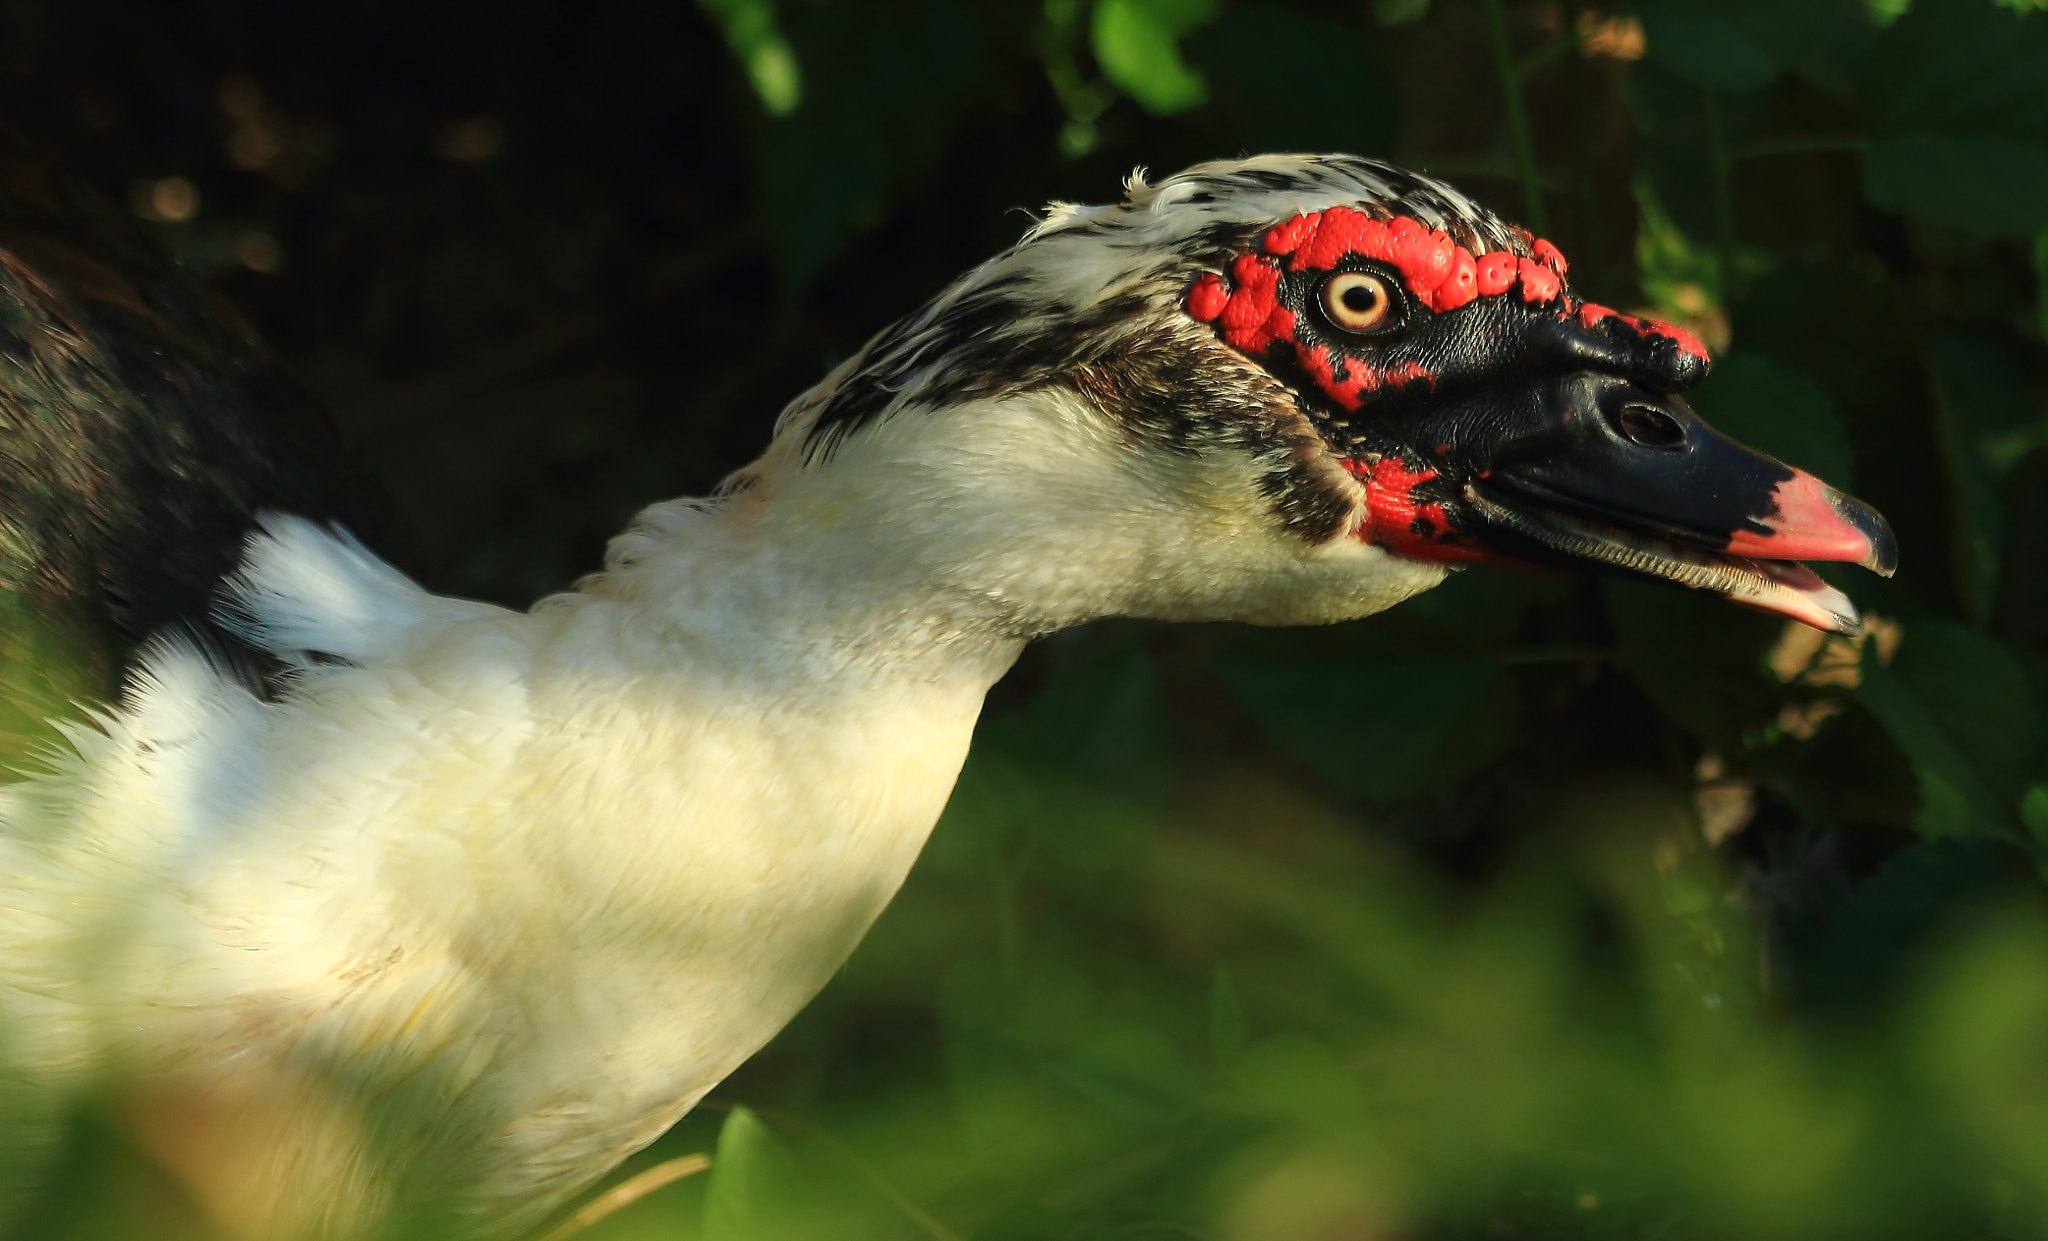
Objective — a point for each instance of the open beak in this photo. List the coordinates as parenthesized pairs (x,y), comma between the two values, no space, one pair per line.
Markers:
(1634,481)
(1596,471)
(1766,573)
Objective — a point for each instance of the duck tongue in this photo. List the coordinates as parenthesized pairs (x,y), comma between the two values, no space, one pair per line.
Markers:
(1791,589)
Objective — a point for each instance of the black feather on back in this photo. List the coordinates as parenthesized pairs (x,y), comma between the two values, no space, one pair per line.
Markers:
(141,433)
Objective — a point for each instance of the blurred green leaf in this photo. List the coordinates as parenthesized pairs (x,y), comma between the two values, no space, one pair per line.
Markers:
(1304,1078)
(1058,38)
(2021,616)
(888,85)
(2034,811)
(1476,614)
(2041,283)
(1383,731)
(1072,778)
(751,1177)
(1990,184)
(1250,56)
(1097,711)
(1682,276)
(1137,43)
(754,36)
(1698,659)
(1778,410)
(1741,45)
(1128,1071)
(1049,816)
(1718,50)
(1227,1028)
(1976,524)
(1985,378)
(1891,923)
(1959,89)
(1979,1044)
(1979,694)
(1960,707)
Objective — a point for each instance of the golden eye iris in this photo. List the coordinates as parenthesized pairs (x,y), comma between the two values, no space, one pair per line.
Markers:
(1357,301)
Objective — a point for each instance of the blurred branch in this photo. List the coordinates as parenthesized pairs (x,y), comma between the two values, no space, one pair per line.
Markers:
(1399,12)
(1565,41)
(1509,77)
(1972,503)
(1720,181)
(627,1192)
(2041,282)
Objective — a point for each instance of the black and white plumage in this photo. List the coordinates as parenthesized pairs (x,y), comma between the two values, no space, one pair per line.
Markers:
(459,906)
(141,432)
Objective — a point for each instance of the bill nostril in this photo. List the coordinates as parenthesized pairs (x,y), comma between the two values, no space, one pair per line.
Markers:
(1649,427)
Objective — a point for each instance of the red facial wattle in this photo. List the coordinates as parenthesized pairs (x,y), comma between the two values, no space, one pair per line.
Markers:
(1592,313)
(1442,275)
(1488,415)
(1402,520)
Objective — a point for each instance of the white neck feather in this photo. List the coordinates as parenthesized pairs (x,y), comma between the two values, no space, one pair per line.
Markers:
(993,522)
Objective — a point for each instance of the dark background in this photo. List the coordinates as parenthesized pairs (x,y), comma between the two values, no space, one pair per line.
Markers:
(1539,906)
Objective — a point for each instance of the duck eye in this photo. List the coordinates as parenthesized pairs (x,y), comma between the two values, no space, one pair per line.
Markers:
(1652,428)
(1358,301)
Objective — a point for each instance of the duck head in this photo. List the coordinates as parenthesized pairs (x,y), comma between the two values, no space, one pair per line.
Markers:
(1294,389)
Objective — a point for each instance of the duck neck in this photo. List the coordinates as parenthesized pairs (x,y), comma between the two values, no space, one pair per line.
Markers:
(744,593)
(936,539)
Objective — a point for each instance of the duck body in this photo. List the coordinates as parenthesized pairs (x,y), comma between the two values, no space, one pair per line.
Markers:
(558,962)
(427,861)
(446,908)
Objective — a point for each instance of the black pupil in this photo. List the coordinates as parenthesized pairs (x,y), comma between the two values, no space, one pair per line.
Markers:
(1652,428)
(1360,299)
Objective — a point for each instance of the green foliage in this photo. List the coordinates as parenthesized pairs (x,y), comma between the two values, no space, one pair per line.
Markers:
(1580,1048)
(1399,12)
(1772,407)
(1959,706)
(1529,909)
(1385,731)
(1955,88)
(1720,47)
(50,670)
(750,1174)
(1248,56)
(881,102)
(752,33)
(1137,44)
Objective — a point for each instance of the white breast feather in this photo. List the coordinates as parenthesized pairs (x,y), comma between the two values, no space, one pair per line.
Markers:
(563,870)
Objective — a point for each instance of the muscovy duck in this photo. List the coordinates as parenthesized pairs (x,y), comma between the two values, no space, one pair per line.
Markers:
(371,904)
